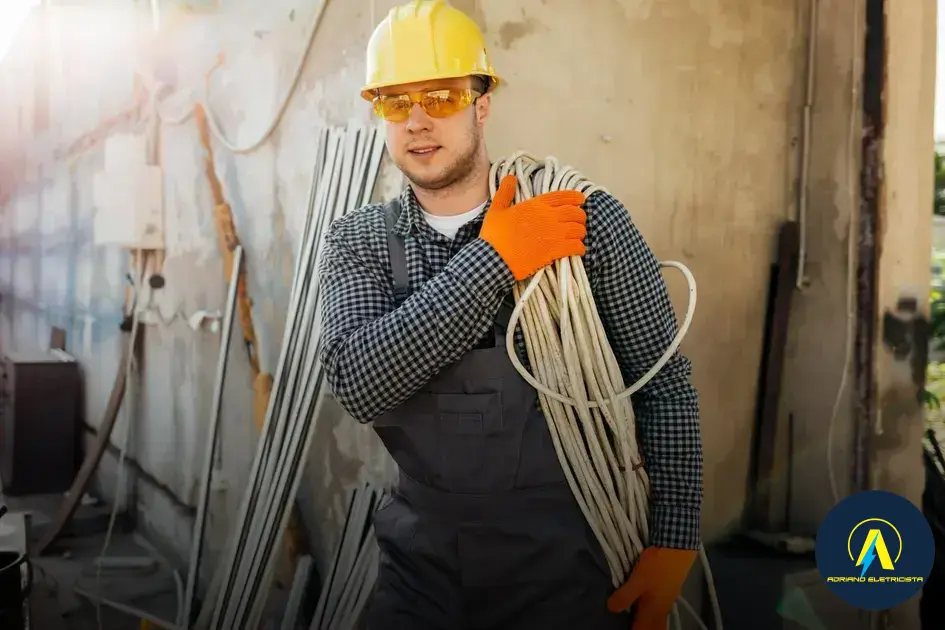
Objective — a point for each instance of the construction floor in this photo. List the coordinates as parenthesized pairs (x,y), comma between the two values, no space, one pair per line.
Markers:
(70,565)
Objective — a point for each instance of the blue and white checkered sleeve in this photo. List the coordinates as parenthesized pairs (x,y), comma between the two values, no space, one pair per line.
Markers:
(376,356)
(637,313)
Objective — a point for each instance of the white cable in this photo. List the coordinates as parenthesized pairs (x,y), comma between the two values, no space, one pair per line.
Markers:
(178,581)
(126,443)
(589,415)
(851,253)
(214,125)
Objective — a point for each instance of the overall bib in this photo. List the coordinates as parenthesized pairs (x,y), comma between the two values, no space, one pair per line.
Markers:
(483,532)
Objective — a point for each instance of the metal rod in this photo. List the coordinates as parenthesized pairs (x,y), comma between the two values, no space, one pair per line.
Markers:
(350,166)
(240,534)
(290,475)
(247,570)
(363,154)
(289,426)
(369,581)
(349,554)
(260,593)
(354,579)
(333,569)
(196,545)
(303,572)
(803,192)
(376,157)
(301,357)
(304,357)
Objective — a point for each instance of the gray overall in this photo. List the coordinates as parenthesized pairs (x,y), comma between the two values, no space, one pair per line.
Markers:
(483,532)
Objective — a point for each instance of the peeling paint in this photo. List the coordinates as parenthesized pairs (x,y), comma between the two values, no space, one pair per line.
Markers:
(511,32)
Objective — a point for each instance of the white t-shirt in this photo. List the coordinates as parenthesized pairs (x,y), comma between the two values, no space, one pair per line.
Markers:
(449,226)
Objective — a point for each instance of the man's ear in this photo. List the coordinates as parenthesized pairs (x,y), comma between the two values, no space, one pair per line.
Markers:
(483,107)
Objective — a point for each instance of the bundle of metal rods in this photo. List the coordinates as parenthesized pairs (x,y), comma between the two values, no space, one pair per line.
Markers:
(345,174)
(354,570)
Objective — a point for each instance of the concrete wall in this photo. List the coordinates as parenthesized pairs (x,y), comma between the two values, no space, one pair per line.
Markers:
(690,112)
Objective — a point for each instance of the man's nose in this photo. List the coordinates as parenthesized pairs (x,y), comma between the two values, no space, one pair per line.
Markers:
(418,119)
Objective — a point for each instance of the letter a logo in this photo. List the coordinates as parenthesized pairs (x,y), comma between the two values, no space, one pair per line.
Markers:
(874,546)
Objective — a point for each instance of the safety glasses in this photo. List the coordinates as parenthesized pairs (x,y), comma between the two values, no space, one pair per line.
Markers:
(436,103)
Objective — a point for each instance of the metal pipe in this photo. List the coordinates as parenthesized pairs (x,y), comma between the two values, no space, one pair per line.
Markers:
(289,427)
(289,476)
(349,593)
(803,191)
(271,454)
(350,160)
(295,449)
(212,615)
(363,584)
(288,485)
(303,571)
(196,545)
(377,155)
(302,357)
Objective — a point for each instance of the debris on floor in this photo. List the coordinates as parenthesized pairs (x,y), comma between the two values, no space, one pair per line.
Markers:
(70,578)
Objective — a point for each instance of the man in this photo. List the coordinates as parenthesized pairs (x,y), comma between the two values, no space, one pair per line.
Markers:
(483,531)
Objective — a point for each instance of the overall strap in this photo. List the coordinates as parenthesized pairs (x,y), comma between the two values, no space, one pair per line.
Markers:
(502,318)
(397,251)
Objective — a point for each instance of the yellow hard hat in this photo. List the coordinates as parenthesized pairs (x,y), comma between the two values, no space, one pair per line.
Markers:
(425,40)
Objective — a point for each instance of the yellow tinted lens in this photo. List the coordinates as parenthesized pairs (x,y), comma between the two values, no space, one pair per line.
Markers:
(393,108)
(436,103)
(443,103)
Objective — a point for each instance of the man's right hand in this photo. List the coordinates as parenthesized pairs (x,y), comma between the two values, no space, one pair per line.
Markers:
(536,232)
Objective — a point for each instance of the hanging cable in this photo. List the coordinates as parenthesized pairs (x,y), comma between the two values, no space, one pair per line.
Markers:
(130,405)
(580,385)
(212,121)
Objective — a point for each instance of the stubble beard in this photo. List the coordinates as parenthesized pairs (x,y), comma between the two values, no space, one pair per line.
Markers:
(458,171)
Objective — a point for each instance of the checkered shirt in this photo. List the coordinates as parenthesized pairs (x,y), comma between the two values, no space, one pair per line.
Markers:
(376,356)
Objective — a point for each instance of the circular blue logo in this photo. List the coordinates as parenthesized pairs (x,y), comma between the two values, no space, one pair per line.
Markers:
(875,550)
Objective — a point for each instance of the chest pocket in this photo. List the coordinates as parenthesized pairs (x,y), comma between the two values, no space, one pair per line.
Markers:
(453,442)
(459,433)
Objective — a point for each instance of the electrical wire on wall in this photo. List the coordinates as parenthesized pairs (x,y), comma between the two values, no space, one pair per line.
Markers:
(212,120)
(128,409)
(803,199)
(849,337)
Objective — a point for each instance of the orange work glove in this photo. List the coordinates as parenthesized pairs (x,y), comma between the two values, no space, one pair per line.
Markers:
(535,233)
(654,585)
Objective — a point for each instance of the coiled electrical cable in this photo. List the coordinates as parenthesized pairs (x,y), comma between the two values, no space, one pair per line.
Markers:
(580,385)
